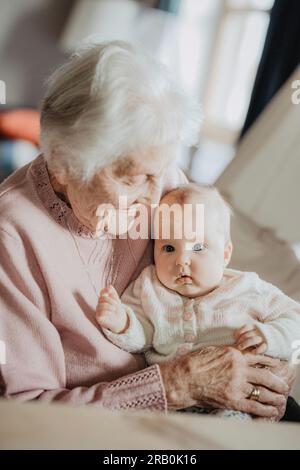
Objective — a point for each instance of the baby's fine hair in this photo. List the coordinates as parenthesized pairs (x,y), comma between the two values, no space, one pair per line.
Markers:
(205,194)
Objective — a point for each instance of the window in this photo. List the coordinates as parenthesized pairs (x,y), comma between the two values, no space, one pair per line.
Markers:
(238,49)
(219,46)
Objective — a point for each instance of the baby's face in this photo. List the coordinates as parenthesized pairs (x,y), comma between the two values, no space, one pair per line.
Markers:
(193,267)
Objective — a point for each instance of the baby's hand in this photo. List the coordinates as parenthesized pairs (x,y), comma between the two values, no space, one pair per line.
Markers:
(110,313)
(250,337)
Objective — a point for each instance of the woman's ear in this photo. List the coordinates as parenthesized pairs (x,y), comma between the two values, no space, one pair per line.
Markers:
(227,253)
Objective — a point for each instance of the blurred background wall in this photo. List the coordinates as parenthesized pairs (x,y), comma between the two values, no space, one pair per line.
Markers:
(213,48)
(29,46)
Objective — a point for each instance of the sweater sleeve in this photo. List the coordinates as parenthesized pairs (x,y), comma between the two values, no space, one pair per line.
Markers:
(139,335)
(279,322)
(33,366)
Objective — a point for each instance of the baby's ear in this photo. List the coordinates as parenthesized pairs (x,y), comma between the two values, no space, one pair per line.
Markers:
(227,253)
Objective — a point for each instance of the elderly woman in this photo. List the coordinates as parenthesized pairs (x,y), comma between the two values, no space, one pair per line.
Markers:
(111,120)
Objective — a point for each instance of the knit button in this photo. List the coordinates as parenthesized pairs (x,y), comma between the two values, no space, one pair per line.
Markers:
(184,349)
(189,337)
(187,315)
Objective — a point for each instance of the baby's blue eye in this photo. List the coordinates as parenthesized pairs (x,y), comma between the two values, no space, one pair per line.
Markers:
(198,247)
(168,248)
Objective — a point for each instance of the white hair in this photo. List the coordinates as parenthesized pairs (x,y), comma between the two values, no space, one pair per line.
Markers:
(107,101)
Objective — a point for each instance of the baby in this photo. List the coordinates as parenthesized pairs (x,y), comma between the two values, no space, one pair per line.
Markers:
(189,299)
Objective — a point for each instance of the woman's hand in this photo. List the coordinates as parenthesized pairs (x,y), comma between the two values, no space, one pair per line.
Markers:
(286,372)
(110,312)
(223,377)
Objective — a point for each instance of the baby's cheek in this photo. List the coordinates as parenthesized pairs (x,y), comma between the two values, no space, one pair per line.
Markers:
(164,269)
(161,266)
(203,270)
(209,269)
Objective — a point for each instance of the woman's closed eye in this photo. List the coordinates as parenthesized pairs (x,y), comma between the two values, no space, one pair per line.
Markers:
(136,180)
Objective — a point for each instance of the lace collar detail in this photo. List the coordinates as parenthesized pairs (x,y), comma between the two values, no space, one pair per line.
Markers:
(57,208)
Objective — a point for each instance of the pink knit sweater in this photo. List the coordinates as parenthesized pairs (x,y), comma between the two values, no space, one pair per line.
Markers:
(51,270)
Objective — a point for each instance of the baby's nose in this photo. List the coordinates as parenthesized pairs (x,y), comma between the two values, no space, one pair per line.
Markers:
(183,260)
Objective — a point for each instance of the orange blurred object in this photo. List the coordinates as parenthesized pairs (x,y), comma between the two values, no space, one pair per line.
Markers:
(21,124)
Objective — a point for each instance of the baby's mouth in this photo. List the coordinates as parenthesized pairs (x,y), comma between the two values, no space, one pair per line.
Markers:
(184,279)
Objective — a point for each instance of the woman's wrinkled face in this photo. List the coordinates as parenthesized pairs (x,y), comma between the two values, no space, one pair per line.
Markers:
(116,192)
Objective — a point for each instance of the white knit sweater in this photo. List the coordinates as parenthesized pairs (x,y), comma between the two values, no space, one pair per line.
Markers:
(164,324)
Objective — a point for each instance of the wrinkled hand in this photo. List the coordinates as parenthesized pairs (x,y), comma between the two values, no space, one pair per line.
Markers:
(250,338)
(110,313)
(223,377)
(286,372)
